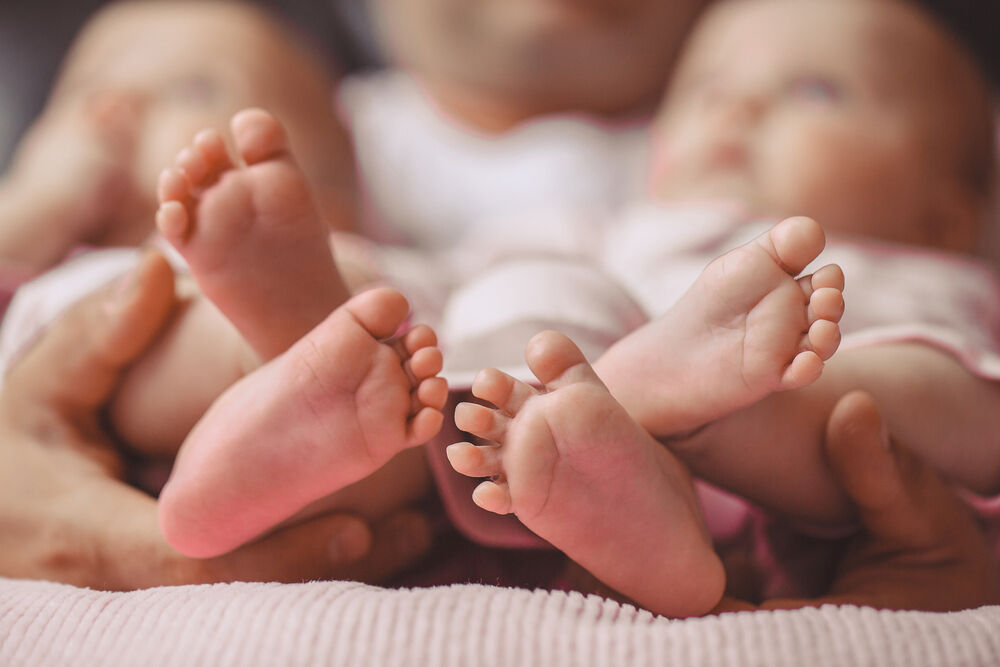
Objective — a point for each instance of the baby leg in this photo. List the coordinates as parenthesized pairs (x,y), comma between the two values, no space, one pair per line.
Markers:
(332,409)
(745,329)
(580,472)
(251,233)
(258,249)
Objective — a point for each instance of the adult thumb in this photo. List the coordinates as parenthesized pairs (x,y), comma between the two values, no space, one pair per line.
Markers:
(77,361)
(894,492)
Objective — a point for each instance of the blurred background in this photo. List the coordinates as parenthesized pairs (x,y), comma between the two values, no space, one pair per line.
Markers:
(34,36)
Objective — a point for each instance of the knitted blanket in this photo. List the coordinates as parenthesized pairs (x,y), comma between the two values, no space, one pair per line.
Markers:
(345,623)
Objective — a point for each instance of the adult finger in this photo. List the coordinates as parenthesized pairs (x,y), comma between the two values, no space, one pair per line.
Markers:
(398,541)
(134,554)
(338,546)
(115,544)
(76,363)
(321,548)
(898,498)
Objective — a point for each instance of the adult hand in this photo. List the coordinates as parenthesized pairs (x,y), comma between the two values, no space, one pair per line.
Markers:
(67,516)
(920,547)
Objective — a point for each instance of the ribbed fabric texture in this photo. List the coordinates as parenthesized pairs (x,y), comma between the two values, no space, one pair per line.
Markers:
(343,623)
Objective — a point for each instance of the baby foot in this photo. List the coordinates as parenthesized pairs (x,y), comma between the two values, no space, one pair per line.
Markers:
(745,329)
(251,232)
(331,410)
(580,472)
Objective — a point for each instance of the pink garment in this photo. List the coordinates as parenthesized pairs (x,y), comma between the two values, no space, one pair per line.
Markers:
(609,280)
(650,256)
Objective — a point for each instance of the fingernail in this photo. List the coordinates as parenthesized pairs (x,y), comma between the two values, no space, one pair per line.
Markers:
(349,543)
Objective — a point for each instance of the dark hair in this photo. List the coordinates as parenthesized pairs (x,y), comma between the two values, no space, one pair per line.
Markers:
(974,23)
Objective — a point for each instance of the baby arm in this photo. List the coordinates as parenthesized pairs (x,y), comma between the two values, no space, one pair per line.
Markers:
(772,452)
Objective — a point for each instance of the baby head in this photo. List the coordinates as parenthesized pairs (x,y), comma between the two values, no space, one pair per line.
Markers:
(493,63)
(185,65)
(863,114)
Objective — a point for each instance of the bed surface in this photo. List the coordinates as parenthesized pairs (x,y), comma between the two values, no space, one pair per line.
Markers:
(348,623)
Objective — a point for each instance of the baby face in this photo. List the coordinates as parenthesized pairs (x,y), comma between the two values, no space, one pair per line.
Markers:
(186,66)
(848,111)
(604,56)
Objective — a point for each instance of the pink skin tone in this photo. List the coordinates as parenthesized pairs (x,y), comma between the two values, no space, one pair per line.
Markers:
(746,328)
(493,64)
(570,460)
(795,108)
(139,81)
(789,107)
(71,177)
(352,393)
(220,217)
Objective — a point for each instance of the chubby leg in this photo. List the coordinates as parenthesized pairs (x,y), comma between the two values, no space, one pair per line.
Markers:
(745,329)
(331,410)
(579,471)
(258,249)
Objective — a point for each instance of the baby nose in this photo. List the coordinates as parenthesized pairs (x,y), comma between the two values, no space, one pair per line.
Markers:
(115,106)
(740,107)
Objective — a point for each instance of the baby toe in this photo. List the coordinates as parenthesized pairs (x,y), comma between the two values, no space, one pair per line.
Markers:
(173,185)
(805,368)
(797,241)
(425,362)
(502,390)
(556,360)
(830,275)
(493,497)
(824,338)
(826,303)
(379,311)
(172,221)
(482,421)
(423,426)
(212,147)
(258,135)
(193,164)
(431,393)
(418,337)
(475,461)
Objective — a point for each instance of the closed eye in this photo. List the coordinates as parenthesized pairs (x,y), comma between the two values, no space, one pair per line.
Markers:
(195,90)
(816,89)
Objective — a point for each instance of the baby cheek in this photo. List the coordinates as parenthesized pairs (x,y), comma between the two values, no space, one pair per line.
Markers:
(836,177)
(674,152)
(799,173)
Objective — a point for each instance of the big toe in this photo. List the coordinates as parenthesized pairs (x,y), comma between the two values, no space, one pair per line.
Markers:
(556,360)
(380,311)
(797,241)
(258,135)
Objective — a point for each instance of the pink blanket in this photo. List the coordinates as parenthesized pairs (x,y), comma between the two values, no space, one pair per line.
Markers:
(345,623)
